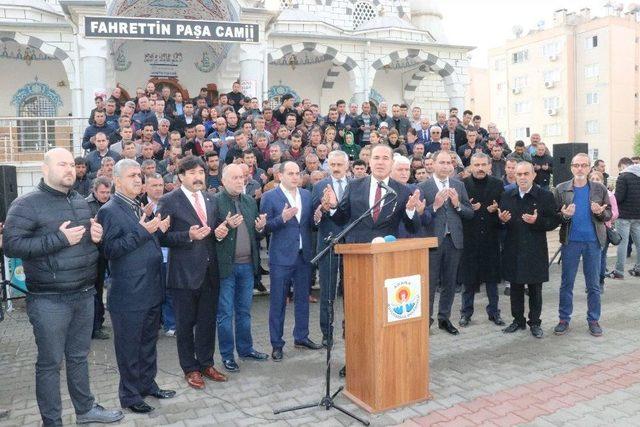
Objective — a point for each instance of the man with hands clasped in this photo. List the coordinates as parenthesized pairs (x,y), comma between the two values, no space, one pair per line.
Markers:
(132,248)
(584,208)
(447,200)
(238,223)
(289,217)
(52,230)
(527,212)
(192,273)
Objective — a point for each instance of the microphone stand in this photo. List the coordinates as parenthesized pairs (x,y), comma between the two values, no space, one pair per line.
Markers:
(327,401)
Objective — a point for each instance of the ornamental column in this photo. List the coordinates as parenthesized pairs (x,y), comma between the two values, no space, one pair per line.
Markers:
(252,70)
(93,65)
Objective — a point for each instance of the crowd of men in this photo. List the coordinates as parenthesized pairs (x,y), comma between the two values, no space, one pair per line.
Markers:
(174,199)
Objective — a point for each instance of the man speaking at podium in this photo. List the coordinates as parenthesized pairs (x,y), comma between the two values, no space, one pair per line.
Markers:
(362,194)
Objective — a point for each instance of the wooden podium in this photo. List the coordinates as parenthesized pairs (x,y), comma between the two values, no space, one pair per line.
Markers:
(387,339)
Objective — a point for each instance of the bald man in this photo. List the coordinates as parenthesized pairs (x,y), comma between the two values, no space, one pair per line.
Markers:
(52,230)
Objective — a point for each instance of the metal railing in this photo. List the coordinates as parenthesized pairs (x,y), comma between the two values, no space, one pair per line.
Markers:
(26,139)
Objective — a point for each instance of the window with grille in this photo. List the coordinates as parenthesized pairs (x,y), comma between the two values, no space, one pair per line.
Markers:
(36,135)
(287,4)
(363,12)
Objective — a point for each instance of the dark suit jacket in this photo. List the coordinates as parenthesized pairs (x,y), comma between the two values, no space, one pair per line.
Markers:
(326,225)
(356,201)
(134,257)
(188,260)
(284,243)
(460,136)
(447,214)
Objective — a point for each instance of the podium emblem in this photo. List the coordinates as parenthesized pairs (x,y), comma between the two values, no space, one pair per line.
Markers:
(404,296)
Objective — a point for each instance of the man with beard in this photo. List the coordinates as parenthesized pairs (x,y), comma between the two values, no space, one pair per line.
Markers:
(53,226)
(528,212)
(481,253)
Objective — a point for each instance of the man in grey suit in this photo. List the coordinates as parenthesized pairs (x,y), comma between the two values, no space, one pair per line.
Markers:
(447,200)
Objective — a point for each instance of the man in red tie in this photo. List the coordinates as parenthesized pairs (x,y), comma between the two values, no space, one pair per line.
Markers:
(192,273)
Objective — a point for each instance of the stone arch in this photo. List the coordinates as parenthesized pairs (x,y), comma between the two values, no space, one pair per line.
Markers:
(45,48)
(339,59)
(428,62)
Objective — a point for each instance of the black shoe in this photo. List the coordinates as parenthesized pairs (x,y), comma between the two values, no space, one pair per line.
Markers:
(100,334)
(536,331)
(141,408)
(263,272)
(513,328)
(163,394)
(276,355)
(230,365)
(256,355)
(446,325)
(307,343)
(464,321)
(343,372)
(497,320)
(259,287)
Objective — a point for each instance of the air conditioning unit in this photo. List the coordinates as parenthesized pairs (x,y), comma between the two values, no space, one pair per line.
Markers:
(552,112)
(516,90)
(549,85)
(553,57)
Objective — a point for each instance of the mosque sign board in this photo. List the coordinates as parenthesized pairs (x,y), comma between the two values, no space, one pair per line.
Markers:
(116,27)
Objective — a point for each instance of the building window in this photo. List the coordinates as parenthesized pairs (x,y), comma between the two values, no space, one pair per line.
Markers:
(551,49)
(522,107)
(591,42)
(593,127)
(552,130)
(520,82)
(523,132)
(591,71)
(500,86)
(551,76)
(36,134)
(551,102)
(500,64)
(520,56)
(593,98)
(363,12)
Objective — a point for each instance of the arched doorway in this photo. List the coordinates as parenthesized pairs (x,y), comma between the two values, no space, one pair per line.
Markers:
(172,84)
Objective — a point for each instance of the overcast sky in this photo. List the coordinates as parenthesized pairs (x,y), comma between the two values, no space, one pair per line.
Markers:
(489,23)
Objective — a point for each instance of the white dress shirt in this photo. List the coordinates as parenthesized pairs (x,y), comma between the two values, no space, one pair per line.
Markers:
(373,187)
(297,202)
(191,199)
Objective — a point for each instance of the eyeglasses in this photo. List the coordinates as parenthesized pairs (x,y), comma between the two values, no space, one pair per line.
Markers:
(579,165)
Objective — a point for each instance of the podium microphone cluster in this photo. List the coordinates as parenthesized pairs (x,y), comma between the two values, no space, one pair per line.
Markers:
(388,189)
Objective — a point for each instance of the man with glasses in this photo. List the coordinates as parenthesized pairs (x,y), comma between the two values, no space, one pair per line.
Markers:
(434,145)
(585,208)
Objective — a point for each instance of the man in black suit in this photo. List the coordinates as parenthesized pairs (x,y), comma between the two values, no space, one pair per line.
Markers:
(132,248)
(447,200)
(339,164)
(362,193)
(192,272)
(456,134)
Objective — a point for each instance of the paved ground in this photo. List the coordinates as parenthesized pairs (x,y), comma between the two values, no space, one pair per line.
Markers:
(481,377)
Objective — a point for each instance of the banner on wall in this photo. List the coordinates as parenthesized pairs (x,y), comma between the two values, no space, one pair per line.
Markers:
(116,27)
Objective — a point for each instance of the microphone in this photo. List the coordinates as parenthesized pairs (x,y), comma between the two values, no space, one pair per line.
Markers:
(390,238)
(388,189)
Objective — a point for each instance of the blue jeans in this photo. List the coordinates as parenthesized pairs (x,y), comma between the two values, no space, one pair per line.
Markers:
(626,227)
(603,262)
(62,326)
(468,296)
(168,316)
(236,296)
(591,254)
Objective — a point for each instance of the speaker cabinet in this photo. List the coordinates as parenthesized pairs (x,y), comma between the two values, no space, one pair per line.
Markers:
(8,189)
(562,155)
